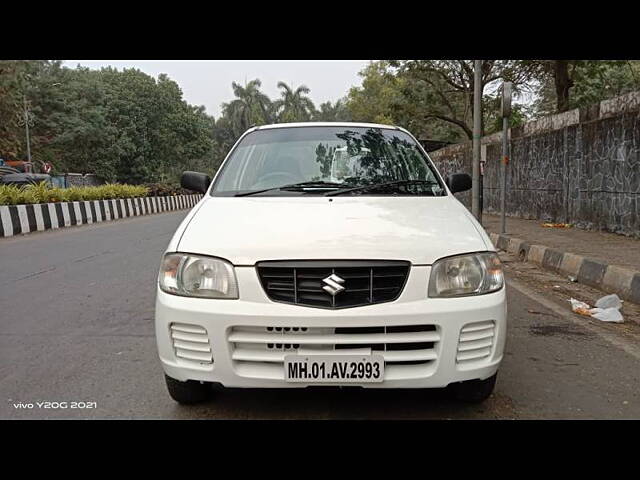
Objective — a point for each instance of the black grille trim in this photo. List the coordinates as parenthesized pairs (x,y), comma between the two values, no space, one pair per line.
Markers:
(366,282)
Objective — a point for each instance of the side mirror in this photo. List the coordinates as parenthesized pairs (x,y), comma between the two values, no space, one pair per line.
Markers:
(195,181)
(459,182)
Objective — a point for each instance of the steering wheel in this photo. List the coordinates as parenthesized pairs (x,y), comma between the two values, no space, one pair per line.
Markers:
(285,176)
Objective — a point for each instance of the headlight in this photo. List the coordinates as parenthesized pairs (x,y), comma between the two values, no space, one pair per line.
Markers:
(471,274)
(195,276)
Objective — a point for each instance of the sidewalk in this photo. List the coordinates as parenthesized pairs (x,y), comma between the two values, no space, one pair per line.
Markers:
(606,247)
(606,261)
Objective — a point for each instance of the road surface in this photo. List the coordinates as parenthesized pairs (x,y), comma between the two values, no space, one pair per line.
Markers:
(76,325)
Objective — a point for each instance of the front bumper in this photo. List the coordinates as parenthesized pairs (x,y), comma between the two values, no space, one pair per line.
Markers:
(228,324)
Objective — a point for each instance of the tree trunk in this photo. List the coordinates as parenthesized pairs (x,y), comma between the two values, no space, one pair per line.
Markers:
(563,83)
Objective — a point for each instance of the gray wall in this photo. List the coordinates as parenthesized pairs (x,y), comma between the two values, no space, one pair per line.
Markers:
(80,180)
(580,167)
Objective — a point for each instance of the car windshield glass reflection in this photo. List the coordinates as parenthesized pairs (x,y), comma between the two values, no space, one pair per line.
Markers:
(315,160)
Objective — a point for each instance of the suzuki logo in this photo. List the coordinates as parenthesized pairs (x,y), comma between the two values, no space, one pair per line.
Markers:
(333,284)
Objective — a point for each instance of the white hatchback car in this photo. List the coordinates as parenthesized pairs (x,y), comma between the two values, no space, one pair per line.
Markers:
(291,272)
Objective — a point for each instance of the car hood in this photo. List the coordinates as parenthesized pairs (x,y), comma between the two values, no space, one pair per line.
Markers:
(247,230)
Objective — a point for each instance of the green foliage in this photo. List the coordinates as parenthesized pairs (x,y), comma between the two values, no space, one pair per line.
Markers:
(379,97)
(124,126)
(10,195)
(591,81)
(336,112)
(42,193)
(18,79)
(127,127)
(434,98)
(164,190)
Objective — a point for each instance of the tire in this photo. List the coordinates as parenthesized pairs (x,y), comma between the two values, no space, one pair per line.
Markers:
(189,392)
(474,391)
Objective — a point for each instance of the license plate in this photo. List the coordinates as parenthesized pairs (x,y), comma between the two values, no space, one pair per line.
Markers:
(334,368)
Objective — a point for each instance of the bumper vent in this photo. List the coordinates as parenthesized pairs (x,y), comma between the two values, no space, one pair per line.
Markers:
(476,341)
(191,343)
(358,282)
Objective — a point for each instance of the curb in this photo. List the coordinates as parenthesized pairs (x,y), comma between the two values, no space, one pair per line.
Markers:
(24,219)
(610,278)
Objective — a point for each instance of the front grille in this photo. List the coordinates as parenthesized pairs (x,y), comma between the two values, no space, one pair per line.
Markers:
(302,283)
(476,341)
(260,351)
(191,343)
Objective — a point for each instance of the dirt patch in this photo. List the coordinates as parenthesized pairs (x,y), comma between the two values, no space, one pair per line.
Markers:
(560,287)
(547,330)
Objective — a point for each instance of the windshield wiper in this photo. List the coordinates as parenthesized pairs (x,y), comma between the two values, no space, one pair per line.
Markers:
(294,187)
(377,186)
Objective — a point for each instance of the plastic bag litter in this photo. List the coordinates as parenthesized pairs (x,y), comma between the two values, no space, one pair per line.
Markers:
(607,309)
(580,307)
(609,301)
(607,314)
(557,225)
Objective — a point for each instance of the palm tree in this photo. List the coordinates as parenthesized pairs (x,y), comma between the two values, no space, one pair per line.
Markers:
(250,107)
(294,106)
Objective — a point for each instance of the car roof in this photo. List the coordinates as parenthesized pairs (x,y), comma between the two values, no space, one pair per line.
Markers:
(326,124)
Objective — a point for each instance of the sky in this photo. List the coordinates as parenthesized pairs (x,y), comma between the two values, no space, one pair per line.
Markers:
(208,82)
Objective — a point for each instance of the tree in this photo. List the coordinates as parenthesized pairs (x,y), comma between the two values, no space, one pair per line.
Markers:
(121,125)
(19,79)
(446,87)
(294,106)
(567,84)
(432,98)
(379,99)
(250,107)
(337,112)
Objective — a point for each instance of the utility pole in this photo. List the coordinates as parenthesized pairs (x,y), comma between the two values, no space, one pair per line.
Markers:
(27,118)
(26,126)
(506,113)
(477,127)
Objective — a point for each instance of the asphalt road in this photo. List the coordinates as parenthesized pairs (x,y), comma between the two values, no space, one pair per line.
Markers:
(76,325)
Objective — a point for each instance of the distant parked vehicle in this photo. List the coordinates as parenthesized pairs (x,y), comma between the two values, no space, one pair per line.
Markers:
(21,166)
(11,176)
(6,170)
(21,173)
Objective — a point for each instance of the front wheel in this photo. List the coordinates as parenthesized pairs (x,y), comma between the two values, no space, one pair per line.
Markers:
(474,391)
(189,392)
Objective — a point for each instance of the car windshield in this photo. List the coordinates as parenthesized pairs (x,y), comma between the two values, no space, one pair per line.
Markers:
(330,157)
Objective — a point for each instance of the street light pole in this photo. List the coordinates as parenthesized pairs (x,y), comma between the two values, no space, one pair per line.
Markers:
(506,113)
(477,126)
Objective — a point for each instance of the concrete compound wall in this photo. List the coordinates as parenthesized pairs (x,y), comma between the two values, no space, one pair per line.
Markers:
(79,180)
(580,167)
